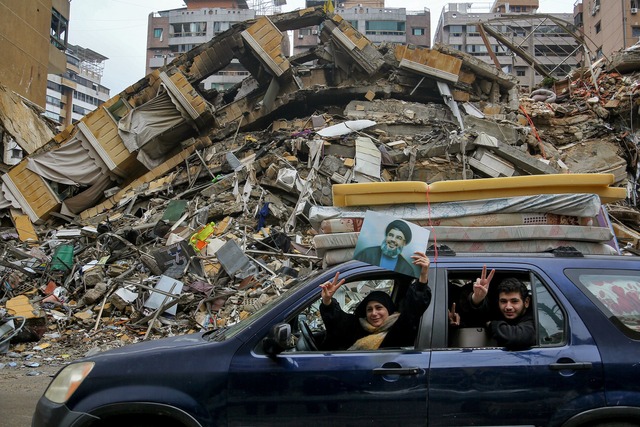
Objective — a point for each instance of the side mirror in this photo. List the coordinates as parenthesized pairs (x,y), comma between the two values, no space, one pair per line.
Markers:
(278,339)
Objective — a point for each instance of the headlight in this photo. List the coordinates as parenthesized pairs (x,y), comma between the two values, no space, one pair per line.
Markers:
(67,381)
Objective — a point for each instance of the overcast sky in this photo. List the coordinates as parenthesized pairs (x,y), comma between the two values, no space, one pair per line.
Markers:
(117,29)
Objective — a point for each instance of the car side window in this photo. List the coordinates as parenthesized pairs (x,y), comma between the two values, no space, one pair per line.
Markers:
(616,293)
(550,317)
(308,327)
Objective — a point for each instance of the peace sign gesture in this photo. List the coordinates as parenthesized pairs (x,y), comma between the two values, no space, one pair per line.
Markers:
(481,286)
(330,288)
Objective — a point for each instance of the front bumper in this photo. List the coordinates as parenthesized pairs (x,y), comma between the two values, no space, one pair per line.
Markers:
(49,414)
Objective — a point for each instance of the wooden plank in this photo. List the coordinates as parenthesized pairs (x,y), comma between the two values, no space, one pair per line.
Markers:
(20,306)
(24,227)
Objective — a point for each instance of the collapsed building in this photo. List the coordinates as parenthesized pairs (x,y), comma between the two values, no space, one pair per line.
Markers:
(170,200)
(164,117)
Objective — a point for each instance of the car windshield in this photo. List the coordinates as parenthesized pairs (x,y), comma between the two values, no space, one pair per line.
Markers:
(616,293)
(231,330)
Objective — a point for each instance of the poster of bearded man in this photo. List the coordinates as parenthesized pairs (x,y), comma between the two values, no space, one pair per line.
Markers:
(390,243)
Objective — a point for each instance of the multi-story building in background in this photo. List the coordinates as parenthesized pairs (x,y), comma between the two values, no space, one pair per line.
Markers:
(176,31)
(377,22)
(513,36)
(608,26)
(33,40)
(78,91)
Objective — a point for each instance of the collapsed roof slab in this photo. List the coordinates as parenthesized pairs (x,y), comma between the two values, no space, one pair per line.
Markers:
(265,40)
(523,161)
(208,58)
(351,41)
(21,122)
(428,62)
(508,83)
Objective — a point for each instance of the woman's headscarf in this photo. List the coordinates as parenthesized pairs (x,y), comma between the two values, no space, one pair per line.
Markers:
(378,296)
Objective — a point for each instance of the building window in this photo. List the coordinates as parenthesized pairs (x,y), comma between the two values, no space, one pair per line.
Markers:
(455,30)
(54,116)
(472,31)
(477,49)
(635,31)
(79,110)
(16,153)
(521,71)
(385,28)
(578,20)
(157,33)
(188,29)
(181,48)
(598,27)
(417,31)
(54,86)
(58,30)
(53,101)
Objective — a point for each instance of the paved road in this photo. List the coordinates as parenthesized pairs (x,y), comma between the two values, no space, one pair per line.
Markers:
(19,393)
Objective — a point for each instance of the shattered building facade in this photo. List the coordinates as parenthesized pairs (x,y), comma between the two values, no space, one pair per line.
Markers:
(171,33)
(519,41)
(377,22)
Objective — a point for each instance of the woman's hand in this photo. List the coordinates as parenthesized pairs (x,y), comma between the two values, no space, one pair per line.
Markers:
(330,288)
(421,259)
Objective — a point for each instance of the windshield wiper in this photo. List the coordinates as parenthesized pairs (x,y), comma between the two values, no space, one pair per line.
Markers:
(217,334)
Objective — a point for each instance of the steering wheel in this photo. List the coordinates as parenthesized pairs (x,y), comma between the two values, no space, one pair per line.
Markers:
(307,335)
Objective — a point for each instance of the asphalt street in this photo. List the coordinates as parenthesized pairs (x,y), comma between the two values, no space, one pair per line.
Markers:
(20,391)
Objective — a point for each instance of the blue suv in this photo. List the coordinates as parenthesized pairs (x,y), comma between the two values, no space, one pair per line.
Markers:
(273,368)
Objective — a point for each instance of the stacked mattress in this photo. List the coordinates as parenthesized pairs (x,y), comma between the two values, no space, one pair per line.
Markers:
(518,222)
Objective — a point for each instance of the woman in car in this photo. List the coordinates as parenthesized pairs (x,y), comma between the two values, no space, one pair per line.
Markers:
(376,323)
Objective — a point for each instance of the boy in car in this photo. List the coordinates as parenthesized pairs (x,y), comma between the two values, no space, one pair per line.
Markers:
(515,329)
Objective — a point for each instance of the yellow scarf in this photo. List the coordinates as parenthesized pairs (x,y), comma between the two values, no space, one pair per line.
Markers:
(376,335)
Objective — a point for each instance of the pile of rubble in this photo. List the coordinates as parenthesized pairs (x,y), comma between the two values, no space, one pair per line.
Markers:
(216,224)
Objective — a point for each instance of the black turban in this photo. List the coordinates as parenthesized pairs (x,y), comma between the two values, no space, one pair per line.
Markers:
(402,226)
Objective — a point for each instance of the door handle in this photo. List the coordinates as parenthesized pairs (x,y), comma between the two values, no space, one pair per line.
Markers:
(396,371)
(575,366)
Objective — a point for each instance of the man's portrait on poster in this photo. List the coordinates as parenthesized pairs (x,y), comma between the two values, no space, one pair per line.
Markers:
(390,242)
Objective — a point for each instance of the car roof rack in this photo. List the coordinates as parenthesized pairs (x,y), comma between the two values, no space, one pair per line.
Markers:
(566,251)
(443,250)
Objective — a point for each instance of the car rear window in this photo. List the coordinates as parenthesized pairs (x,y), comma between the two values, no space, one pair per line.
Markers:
(616,293)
